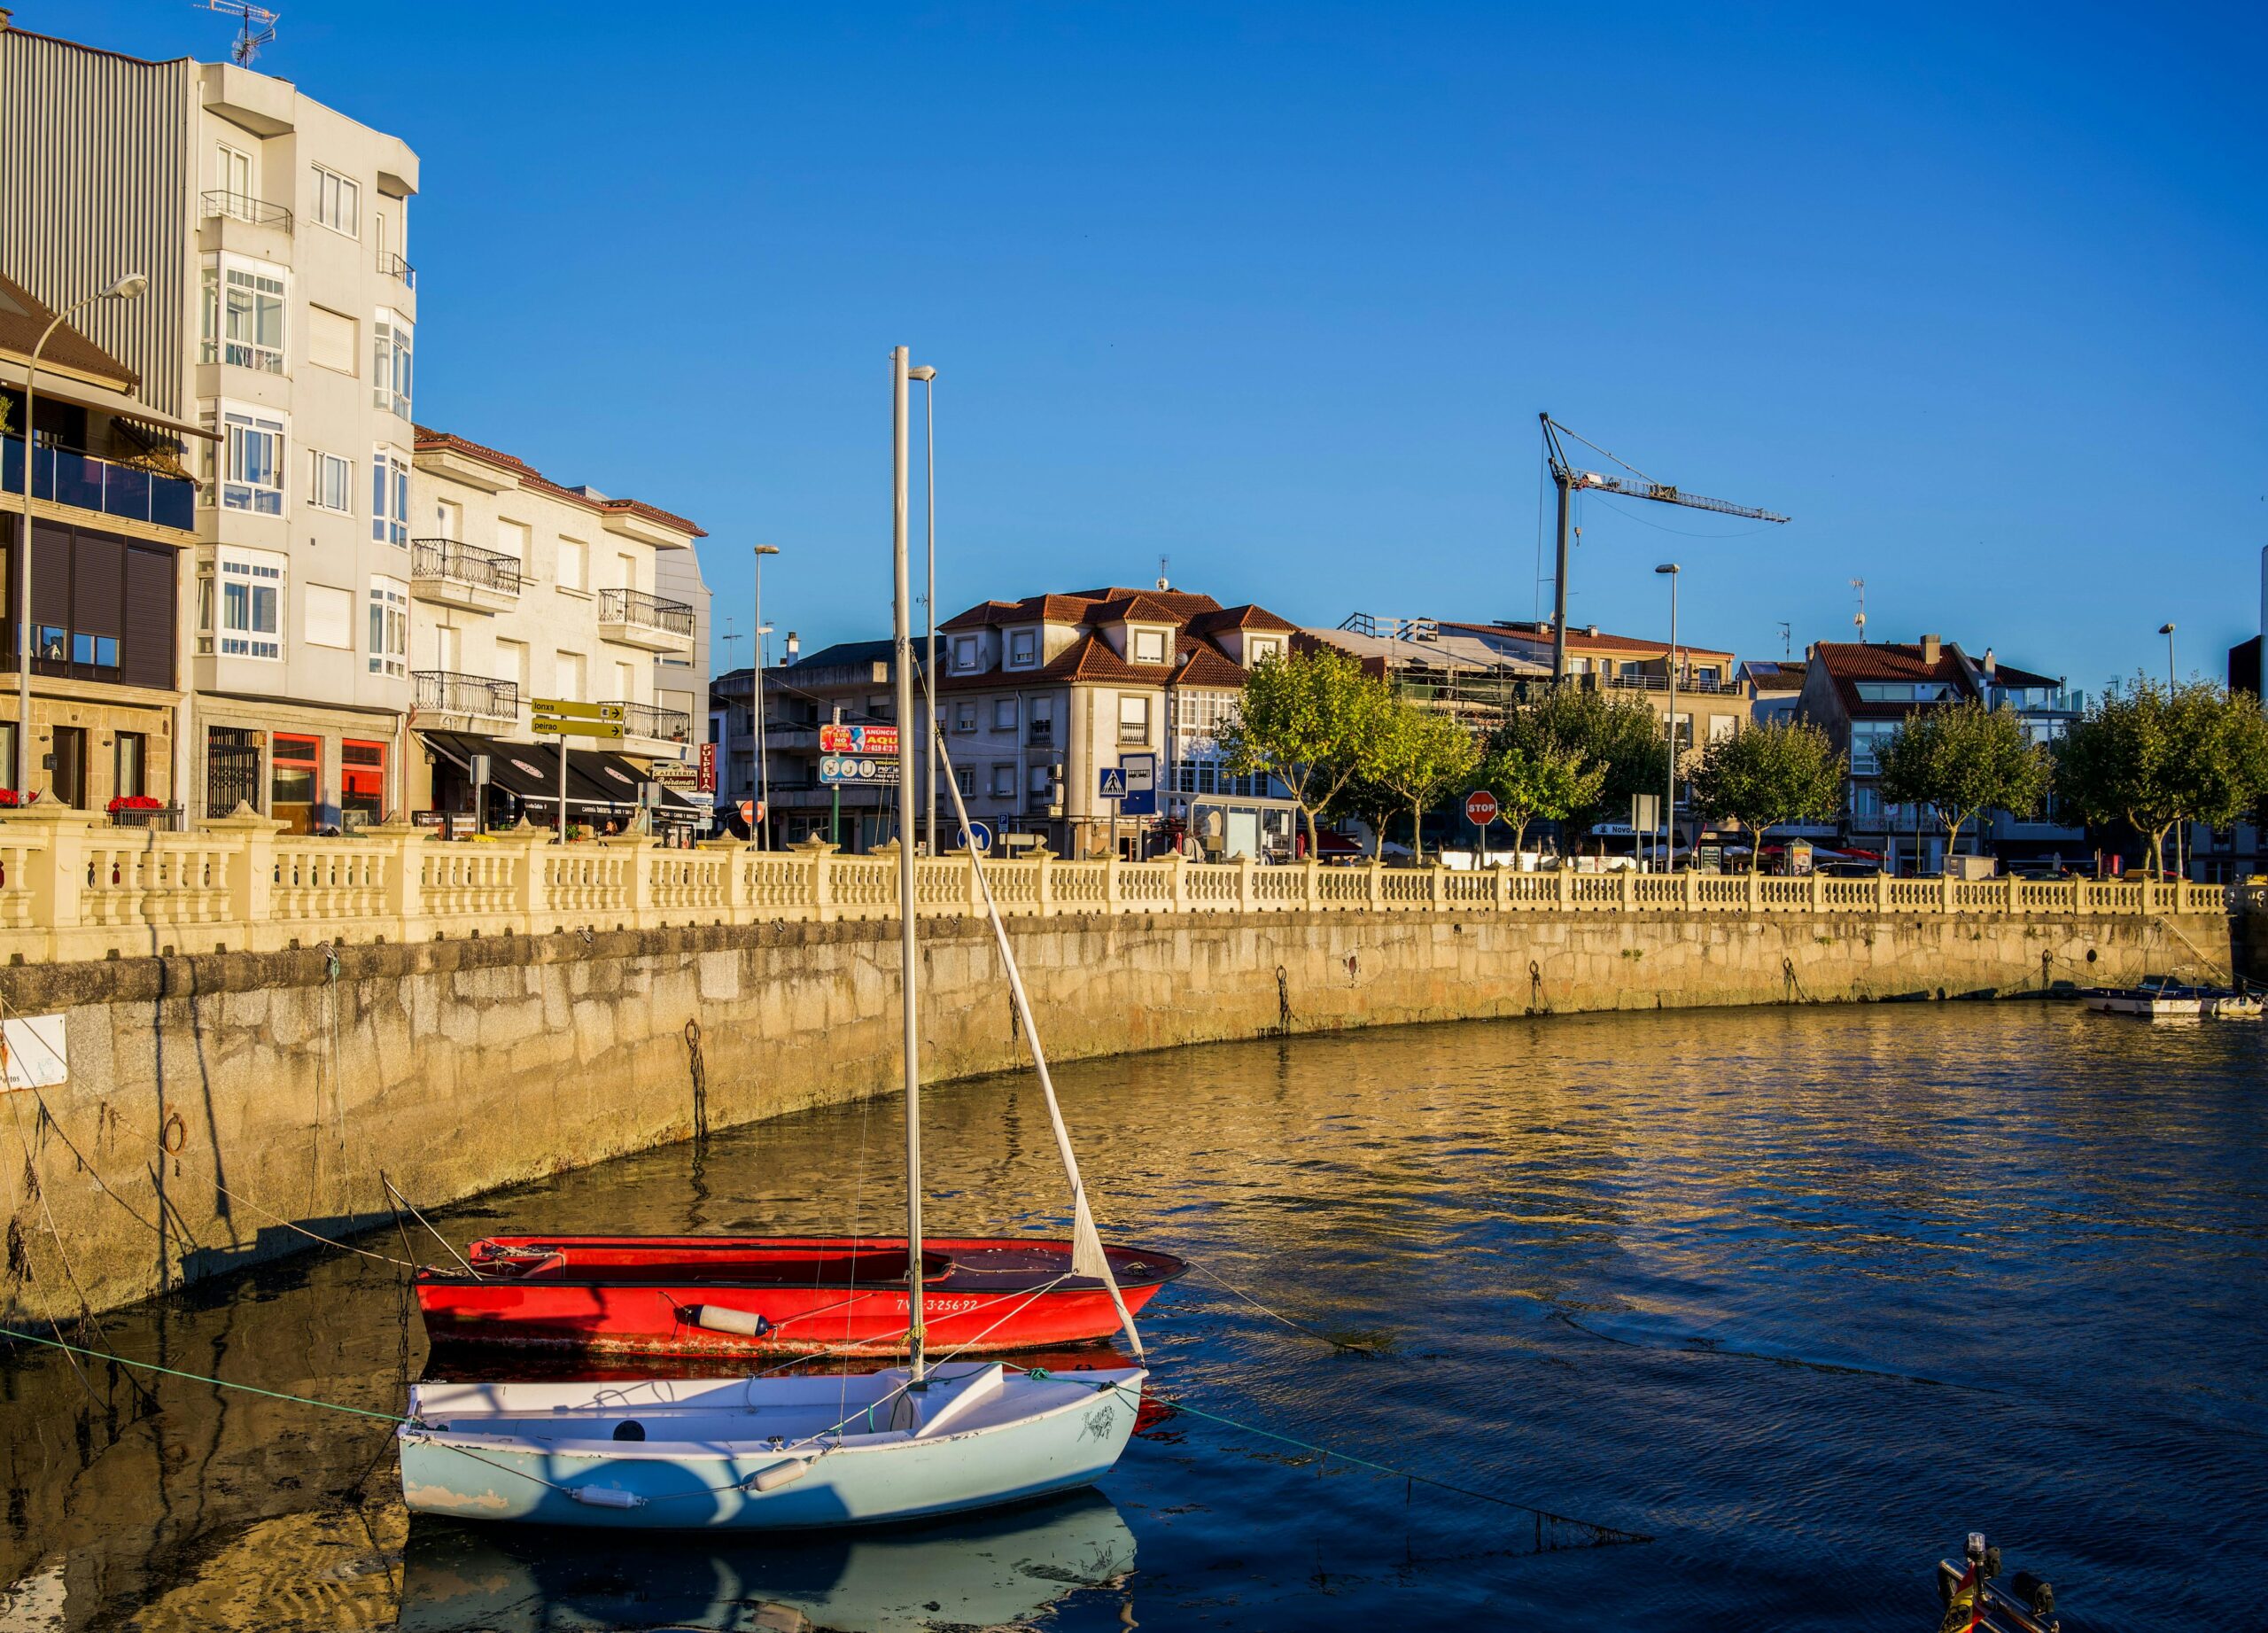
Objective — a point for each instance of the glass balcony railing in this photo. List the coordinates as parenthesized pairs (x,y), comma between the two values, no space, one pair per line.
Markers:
(69,478)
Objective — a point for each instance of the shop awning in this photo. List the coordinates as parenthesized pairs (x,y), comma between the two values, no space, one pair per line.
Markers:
(529,772)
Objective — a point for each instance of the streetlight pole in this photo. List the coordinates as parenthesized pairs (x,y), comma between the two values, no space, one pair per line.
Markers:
(2171,682)
(756,708)
(1669,808)
(927,375)
(127,288)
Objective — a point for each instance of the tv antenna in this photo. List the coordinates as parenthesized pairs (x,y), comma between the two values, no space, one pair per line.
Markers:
(255,27)
(1164,562)
(1859,585)
(1787,639)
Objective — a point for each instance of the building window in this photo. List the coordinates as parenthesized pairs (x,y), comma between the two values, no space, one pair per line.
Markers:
(1042,780)
(1004,781)
(251,604)
(1023,648)
(1866,735)
(964,653)
(252,477)
(965,778)
(1262,650)
(361,782)
(331,482)
(130,771)
(1149,646)
(574,563)
(333,341)
(1133,717)
(1041,718)
(389,642)
(1003,714)
(243,315)
(295,767)
(338,203)
(390,372)
(1705,676)
(1720,727)
(964,717)
(390,496)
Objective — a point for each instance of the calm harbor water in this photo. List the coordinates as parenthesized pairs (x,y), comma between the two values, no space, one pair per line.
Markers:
(1803,1294)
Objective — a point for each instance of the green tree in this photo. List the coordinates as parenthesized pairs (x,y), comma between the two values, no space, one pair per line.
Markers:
(2151,757)
(1782,771)
(1313,721)
(1964,758)
(1421,755)
(1538,780)
(1618,735)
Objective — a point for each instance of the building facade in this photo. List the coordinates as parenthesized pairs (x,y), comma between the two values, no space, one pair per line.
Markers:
(851,683)
(521,588)
(112,515)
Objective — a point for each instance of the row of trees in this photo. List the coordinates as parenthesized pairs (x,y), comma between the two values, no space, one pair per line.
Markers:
(1345,744)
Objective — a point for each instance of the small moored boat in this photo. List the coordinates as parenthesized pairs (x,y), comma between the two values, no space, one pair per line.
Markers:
(2156,998)
(777,1295)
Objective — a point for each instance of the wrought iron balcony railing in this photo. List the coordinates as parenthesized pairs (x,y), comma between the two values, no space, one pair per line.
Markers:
(392,266)
(464,564)
(219,201)
(441,692)
(620,606)
(653,721)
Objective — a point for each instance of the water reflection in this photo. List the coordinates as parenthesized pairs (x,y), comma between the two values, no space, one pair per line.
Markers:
(985,1572)
(1804,1293)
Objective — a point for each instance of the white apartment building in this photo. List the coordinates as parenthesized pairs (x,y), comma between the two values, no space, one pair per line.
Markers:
(281,313)
(518,588)
(1037,697)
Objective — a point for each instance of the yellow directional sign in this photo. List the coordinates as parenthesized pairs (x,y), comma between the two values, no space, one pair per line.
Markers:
(551,727)
(576,711)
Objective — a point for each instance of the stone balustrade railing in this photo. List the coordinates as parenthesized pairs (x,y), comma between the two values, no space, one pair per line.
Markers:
(72,887)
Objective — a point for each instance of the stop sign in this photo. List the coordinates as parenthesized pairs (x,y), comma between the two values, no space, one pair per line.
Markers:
(1481,807)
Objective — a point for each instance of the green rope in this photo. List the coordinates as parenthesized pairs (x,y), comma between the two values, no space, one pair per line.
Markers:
(249,1388)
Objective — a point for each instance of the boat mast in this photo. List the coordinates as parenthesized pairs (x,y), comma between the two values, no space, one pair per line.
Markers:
(903,662)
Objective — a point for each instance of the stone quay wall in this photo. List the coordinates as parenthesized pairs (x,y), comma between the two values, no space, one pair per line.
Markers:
(185,1116)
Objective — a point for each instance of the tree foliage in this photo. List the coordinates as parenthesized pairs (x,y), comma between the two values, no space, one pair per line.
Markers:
(1781,771)
(1314,721)
(1421,755)
(1964,758)
(1617,736)
(1539,780)
(2152,757)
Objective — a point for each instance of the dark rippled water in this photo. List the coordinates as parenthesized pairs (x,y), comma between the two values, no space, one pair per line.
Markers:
(1805,1295)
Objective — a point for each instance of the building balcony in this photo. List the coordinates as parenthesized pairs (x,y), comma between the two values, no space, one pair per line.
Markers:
(468,697)
(651,724)
(392,266)
(1660,683)
(448,573)
(637,619)
(64,476)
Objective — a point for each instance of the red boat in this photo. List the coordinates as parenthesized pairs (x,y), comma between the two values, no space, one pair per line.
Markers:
(777,1294)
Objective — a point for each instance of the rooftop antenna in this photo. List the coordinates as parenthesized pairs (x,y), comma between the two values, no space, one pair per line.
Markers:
(1787,641)
(1164,562)
(1859,585)
(255,27)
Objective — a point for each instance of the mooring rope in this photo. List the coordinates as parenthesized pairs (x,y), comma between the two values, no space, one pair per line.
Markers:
(1357,1345)
(223,1383)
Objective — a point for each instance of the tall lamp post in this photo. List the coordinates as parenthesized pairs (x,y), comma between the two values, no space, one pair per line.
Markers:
(2171,681)
(127,288)
(1669,804)
(927,375)
(761,830)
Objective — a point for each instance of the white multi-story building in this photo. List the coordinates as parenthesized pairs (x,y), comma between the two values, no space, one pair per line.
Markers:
(521,588)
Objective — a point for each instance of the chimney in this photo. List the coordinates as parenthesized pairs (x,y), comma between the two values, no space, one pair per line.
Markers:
(5,15)
(794,646)
(1992,664)
(1931,649)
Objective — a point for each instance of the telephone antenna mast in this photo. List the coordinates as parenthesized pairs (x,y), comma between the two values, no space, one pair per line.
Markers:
(1859,585)
(255,27)
(1164,562)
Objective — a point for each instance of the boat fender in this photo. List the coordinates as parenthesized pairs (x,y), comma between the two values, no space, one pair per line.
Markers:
(779,1475)
(717,1319)
(606,1496)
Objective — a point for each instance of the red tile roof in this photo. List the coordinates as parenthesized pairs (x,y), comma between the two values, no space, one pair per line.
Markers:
(1199,659)
(1245,616)
(1849,662)
(528,477)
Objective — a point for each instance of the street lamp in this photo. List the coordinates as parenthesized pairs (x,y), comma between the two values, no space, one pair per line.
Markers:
(2171,681)
(127,288)
(1669,809)
(756,707)
(927,375)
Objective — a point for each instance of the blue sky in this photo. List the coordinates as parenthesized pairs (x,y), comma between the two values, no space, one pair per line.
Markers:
(1975,294)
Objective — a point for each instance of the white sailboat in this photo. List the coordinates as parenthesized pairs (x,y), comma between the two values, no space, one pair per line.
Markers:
(764,1453)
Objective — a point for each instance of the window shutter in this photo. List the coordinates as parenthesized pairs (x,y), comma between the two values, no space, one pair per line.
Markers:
(146,651)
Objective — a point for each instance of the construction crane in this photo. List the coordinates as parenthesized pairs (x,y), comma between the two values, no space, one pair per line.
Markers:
(1569,480)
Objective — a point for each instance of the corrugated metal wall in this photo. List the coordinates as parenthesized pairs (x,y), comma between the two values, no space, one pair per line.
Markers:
(96,181)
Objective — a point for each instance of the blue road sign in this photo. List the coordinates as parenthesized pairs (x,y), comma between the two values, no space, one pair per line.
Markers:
(1112,782)
(976,836)
(1143,803)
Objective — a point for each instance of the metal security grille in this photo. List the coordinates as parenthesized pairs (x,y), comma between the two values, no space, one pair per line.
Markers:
(231,771)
